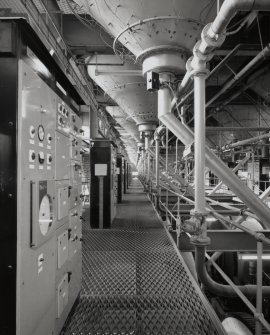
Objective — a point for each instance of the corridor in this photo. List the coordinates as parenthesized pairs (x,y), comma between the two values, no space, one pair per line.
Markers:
(134,280)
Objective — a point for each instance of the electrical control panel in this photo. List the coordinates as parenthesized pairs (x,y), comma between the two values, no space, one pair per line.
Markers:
(40,154)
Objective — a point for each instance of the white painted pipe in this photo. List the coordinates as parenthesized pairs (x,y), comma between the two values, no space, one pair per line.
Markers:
(148,167)
(157,161)
(235,169)
(247,141)
(234,326)
(230,7)
(218,167)
(199,145)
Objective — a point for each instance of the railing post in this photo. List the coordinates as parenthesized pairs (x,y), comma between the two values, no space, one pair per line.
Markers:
(259,287)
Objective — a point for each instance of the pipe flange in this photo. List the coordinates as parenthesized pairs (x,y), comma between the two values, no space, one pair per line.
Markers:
(259,236)
(199,72)
(189,67)
(207,38)
(201,56)
(183,52)
(147,126)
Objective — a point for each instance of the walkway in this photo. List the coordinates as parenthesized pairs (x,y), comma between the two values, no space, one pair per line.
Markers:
(135,282)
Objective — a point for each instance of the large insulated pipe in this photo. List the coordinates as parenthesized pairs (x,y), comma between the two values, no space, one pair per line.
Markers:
(217,288)
(230,7)
(240,75)
(216,165)
(247,141)
(235,169)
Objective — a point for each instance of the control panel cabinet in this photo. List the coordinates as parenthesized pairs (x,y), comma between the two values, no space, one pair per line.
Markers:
(40,237)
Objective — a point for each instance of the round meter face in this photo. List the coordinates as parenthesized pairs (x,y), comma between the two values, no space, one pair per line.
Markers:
(41,133)
(45,215)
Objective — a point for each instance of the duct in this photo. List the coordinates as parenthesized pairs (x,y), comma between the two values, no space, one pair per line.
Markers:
(219,168)
(217,288)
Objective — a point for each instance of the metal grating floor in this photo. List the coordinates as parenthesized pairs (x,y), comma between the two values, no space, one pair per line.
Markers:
(135,282)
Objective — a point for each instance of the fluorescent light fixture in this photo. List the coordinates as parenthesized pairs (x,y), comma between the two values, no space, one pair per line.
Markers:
(252,257)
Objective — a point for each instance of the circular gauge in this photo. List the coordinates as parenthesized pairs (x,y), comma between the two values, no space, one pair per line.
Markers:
(45,215)
(41,133)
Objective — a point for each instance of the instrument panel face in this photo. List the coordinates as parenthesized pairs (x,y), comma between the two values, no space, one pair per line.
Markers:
(49,234)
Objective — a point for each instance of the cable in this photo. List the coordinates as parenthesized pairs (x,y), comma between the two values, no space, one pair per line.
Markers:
(243,22)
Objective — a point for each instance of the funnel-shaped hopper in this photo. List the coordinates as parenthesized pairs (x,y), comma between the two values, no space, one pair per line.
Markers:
(150,27)
(124,121)
(128,91)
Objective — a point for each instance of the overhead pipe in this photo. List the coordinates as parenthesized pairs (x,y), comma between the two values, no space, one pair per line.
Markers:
(214,163)
(183,86)
(217,288)
(213,36)
(245,142)
(203,51)
(240,75)
(229,9)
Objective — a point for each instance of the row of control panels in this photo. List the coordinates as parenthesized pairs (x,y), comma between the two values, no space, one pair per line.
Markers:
(49,206)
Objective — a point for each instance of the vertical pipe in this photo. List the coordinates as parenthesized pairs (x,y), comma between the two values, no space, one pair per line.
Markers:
(259,286)
(199,150)
(157,162)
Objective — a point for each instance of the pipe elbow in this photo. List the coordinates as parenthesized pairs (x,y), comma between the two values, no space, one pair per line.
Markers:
(227,12)
(220,289)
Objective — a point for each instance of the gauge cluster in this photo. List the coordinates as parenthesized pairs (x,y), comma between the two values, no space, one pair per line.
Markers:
(50,205)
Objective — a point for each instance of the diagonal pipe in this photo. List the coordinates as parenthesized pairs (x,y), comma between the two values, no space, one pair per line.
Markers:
(218,167)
